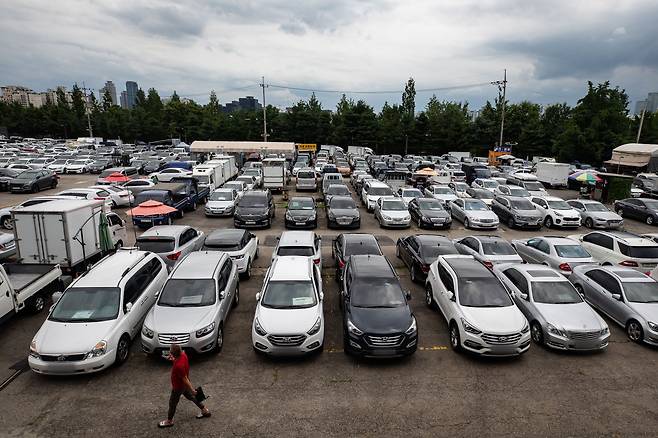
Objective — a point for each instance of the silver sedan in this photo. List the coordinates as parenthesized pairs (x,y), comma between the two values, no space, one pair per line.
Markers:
(391,212)
(474,213)
(560,253)
(171,242)
(596,215)
(7,245)
(559,318)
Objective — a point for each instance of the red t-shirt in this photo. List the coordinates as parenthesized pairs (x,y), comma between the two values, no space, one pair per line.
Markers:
(179,371)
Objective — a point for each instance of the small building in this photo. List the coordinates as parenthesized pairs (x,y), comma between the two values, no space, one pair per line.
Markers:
(631,157)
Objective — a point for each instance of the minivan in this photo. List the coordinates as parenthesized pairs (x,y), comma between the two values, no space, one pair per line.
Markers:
(306,179)
(331,178)
(529,182)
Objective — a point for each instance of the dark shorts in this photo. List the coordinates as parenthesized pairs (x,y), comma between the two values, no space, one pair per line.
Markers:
(174,398)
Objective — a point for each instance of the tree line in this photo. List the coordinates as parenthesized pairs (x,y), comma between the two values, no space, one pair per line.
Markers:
(586,132)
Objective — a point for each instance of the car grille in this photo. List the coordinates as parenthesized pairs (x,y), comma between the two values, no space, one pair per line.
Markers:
(529,218)
(584,336)
(438,220)
(384,341)
(487,221)
(62,357)
(174,338)
(570,219)
(300,218)
(501,339)
(286,341)
(614,222)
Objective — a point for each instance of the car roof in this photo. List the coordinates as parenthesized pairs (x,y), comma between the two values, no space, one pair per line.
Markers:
(255,193)
(198,265)
(536,272)
(549,198)
(226,235)
(301,198)
(433,239)
(371,266)
(223,189)
(467,266)
(557,240)
(165,230)
(628,238)
(290,268)
(297,238)
(627,275)
(109,271)
(585,201)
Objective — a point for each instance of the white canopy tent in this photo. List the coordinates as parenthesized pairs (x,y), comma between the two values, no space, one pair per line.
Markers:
(247,147)
(632,154)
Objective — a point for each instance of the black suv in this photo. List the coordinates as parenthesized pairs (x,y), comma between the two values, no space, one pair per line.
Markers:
(254,209)
(377,319)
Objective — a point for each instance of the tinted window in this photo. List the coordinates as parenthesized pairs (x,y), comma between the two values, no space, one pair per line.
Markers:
(432,251)
(640,252)
(482,292)
(497,247)
(377,292)
(362,247)
(221,196)
(599,239)
(446,278)
(301,204)
(156,244)
(522,204)
(517,280)
(253,201)
(555,292)
(571,251)
(605,280)
(380,191)
(188,293)
(641,292)
(342,203)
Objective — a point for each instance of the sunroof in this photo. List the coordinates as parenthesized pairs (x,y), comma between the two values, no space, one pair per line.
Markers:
(630,274)
(543,273)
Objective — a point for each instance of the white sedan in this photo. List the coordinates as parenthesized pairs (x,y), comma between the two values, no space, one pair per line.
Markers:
(121,197)
(167,175)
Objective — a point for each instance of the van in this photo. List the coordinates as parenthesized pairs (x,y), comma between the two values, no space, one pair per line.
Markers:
(373,190)
(529,182)
(475,170)
(306,179)
(331,178)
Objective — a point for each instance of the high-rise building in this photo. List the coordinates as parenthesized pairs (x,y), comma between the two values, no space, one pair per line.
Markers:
(640,106)
(124,100)
(652,102)
(131,94)
(27,97)
(248,103)
(109,86)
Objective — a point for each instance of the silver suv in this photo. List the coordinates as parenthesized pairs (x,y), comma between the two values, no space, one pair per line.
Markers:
(194,304)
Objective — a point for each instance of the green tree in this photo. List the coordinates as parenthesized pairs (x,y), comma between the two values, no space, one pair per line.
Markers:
(106,102)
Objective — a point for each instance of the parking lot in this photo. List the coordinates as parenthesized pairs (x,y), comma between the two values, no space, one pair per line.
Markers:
(434,392)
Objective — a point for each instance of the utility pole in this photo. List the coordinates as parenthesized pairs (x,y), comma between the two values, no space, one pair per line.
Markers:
(639,129)
(264,110)
(502,88)
(87,110)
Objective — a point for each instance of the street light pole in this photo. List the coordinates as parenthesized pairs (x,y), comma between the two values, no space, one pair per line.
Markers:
(639,129)
(502,87)
(264,110)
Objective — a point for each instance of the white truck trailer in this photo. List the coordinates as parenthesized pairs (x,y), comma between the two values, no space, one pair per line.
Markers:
(552,174)
(274,174)
(26,287)
(210,175)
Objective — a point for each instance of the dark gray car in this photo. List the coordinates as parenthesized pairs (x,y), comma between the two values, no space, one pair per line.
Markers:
(342,212)
(33,181)
(429,213)
(301,213)
(516,211)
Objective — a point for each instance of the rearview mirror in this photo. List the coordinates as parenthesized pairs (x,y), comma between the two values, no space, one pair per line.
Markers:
(56,296)
(616,297)
(258,296)
(321,296)
(523,296)
(407,294)
(129,306)
(222,295)
(451,295)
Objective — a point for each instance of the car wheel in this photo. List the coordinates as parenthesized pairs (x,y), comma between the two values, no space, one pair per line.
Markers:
(169,220)
(7,224)
(649,220)
(269,223)
(414,274)
(510,223)
(620,212)
(548,222)
(36,303)
(634,331)
(219,342)
(429,297)
(123,350)
(589,223)
(194,206)
(236,298)
(455,341)
(247,272)
(397,252)
(182,214)
(34,188)
(257,254)
(536,333)
(467,223)
(118,245)
(54,184)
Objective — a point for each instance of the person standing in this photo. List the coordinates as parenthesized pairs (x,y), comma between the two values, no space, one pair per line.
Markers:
(181,385)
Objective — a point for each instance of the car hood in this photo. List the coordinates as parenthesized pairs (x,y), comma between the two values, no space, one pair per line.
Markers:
(648,311)
(253,211)
(606,215)
(71,337)
(395,213)
(539,193)
(568,213)
(381,320)
(287,321)
(528,213)
(481,214)
(434,213)
(445,197)
(344,212)
(21,181)
(304,213)
(495,320)
(163,319)
(571,317)
(219,204)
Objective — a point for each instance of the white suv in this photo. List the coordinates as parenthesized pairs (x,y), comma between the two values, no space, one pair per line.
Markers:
(289,319)
(299,243)
(556,211)
(372,191)
(620,248)
(92,324)
(481,316)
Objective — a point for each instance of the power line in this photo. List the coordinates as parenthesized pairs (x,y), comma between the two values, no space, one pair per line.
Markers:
(422,90)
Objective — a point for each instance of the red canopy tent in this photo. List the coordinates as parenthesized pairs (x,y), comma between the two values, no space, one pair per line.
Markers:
(116,177)
(151,208)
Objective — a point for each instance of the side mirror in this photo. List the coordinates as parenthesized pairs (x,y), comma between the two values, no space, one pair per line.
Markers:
(451,296)
(407,294)
(321,296)
(258,296)
(523,296)
(616,297)
(56,296)
(222,295)
(129,306)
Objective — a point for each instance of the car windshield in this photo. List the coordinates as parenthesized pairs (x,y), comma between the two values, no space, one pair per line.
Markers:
(301,204)
(518,191)
(533,185)
(433,250)
(430,204)
(221,196)
(640,252)
(482,194)
(235,186)
(59,162)
(497,247)
(338,190)
(572,251)
(28,174)
(289,295)
(188,293)
(304,251)
(380,191)
(641,292)
(482,292)
(156,244)
(522,204)
(651,205)
(443,191)
(247,179)
(79,162)
(203,179)
(558,205)
(393,205)
(475,205)
(595,207)
(153,163)
(87,304)
(342,204)
(489,184)
(306,175)
(253,202)
(377,292)
(555,292)
(415,193)
(482,173)
(461,187)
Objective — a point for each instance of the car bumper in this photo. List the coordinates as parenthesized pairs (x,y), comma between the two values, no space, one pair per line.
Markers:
(475,344)
(312,187)
(395,224)
(199,345)
(147,222)
(527,223)
(356,345)
(566,224)
(7,252)
(607,225)
(64,368)
(336,223)
(301,224)
(310,344)
(240,263)
(483,226)
(243,223)
(560,343)
(431,224)
(219,212)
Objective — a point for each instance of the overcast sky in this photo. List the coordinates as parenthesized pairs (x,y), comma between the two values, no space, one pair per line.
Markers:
(550,48)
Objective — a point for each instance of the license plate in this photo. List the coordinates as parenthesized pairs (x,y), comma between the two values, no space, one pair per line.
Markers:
(250,222)
(300,223)
(147,221)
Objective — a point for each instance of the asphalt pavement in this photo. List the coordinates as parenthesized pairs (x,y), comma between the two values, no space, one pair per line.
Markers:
(436,392)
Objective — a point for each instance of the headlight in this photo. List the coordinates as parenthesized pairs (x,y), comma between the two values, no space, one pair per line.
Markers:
(526,328)
(147,332)
(386,218)
(315,328)
(557,213)
(288,215)
(332,216)
(353,329)
(33,350)
(555,331)
(407,218)
(606,330)
(99,349)
(469,328)
(412,328)
(258,328)
(653,326)
(205,330)
(425,219)
(237,257)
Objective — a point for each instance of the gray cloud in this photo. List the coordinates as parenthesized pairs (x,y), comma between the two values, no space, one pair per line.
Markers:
(169,20)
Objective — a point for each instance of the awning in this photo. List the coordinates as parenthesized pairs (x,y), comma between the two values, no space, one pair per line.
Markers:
(628,163)
(236,147)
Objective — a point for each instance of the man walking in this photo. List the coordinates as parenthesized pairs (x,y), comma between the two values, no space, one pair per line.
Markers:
(181,385)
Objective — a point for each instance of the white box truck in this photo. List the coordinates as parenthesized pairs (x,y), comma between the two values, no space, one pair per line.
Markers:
(230,168)
(63,232)
(210,175)
(274,174)
(552,174)
(26,287)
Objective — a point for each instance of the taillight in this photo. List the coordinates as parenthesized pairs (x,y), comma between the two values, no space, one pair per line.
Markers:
(565,267)
(316,261)
(341,264)
(629,263)
(488,264)
(425,268)
(174,256)
(98,198)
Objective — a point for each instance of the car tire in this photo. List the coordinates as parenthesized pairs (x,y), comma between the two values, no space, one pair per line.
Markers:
(170,220)
(36,303)
(510,223)
(123,350)
(429,297)
(413,274)
(54,184)
(620,212)
(34,188)
(6,223)
(467,223)
(194,206)
(247,272)
(634,331)
(649,220)
(589,223)
(455,341)
(536,333)
(269,223)
(236,297)
(548,222)
(397,252)
(219,341)
(257,254)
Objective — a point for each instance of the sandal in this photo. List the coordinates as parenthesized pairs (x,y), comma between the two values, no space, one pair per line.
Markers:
(165,423)
(202,415)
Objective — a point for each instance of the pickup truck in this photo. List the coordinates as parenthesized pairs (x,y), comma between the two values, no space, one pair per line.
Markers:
(182,193)
(26,287)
